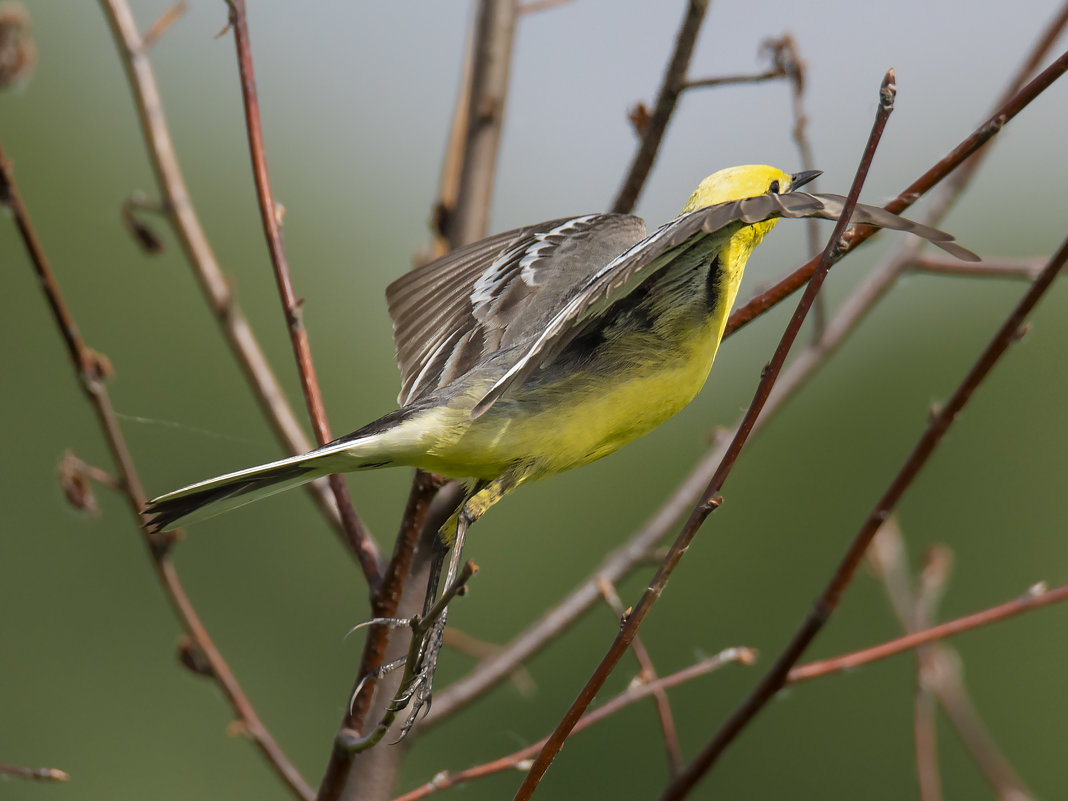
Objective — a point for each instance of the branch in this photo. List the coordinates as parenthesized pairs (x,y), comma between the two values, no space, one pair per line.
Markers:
(983,134)
(828,601)
(1003,268)
(709,502)
(636,549)
(359,538)
(178,207)
(672,85)
(648,674)
(519,759)
(91,370)
(1035,598)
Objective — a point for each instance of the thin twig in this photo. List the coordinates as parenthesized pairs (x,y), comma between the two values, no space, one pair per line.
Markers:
(35,774)
(1036,597)
(1002,268)
(983,134)
(938,665)
(87,366)
(709,501)
(360,540)
(648,674)
(178,206)
(652,131)
(619,562)
(829,599)
(634,693)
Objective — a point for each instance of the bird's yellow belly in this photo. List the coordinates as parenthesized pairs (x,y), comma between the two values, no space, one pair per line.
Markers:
(554,426)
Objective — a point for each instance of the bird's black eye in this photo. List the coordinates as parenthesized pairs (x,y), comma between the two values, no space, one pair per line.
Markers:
(774,188)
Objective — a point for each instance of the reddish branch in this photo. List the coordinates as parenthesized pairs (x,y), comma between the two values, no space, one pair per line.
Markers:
(178,207)
(704,508)
(519,759)
(828,601)
(359,538)
(1034,599)
(619,562)
(983,134)
(91,369)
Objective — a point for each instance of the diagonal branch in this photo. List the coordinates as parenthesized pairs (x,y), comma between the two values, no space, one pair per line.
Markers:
(359,538)
(983,134)
(671,87)
(178,207)
(709,502)
(91,369)
(616,564)
(828,601)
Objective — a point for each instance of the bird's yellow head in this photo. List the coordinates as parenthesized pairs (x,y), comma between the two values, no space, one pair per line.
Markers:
(749,180)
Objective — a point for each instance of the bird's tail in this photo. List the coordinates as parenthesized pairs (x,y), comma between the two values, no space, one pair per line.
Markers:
(368,448)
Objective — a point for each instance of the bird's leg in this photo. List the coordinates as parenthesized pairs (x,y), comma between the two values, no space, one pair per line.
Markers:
(451,536)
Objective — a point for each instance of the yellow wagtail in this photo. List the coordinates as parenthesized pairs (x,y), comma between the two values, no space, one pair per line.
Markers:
(545,348)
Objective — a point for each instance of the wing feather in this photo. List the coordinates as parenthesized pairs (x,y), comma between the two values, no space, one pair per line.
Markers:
(630,269)
(498,292)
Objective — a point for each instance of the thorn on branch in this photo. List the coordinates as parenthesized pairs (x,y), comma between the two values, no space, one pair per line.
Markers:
(145,235)
(76,479)
(192,658)
(638,115)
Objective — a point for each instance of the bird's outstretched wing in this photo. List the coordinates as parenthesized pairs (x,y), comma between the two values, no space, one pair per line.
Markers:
(630,269)
(495,293)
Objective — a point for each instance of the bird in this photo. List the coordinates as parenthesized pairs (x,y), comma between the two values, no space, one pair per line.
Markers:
(545,348)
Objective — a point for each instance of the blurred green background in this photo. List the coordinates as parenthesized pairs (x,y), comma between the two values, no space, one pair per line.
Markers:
(356,100)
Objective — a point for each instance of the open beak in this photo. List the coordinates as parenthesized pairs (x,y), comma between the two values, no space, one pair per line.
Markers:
(799,179)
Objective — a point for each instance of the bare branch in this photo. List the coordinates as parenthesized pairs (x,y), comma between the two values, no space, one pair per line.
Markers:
(983,134)
(520,759)
(671,87)
(1038,596)
(648,674)
(178,206)
(709,502)
(359,539)
(828,601)
(87,366)
(1003,268)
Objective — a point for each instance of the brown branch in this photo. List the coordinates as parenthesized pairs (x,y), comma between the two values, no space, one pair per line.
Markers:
(648,674)
(829,599)
(519,759)
(939,675)
(178,206)
(709,502)
(1002,268)
(983,134)
(671,87)
(359,538)
(772,74)
(468,221)
(1034,598)
(35,774)
(636,549)
(87,367)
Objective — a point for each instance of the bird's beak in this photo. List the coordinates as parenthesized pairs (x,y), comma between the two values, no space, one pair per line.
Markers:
(801,178)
